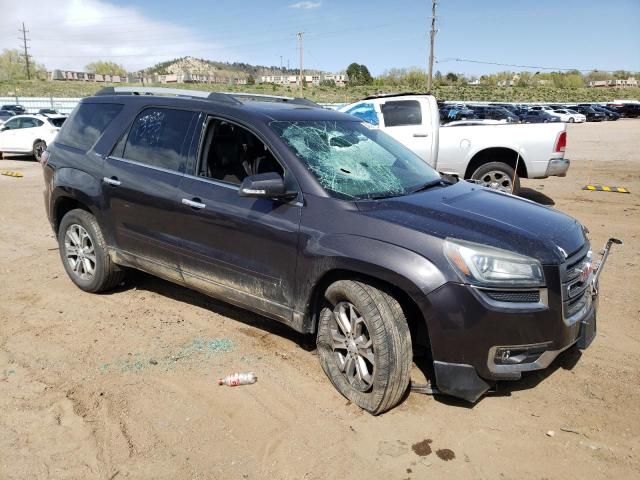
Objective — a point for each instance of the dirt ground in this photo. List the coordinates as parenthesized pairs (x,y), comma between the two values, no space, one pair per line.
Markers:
(123,385)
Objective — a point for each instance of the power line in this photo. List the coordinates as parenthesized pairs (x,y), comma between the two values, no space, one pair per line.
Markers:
(300,34)
(433,40)
(26,49)
(537,67)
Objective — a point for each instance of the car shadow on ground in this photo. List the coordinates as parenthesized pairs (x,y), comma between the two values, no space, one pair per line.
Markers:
(536,196)
(142,281)
(23,158)
(145,282)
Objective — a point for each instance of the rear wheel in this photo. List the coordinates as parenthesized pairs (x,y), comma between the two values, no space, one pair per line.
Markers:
(39,146)
(84,253)
(364,345)
(498,176)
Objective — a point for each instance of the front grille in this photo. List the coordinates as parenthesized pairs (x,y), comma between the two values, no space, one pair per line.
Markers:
(514,296)
(576,275)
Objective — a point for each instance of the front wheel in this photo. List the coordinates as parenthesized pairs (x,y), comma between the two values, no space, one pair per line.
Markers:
(39,146)
(498,176)
(364,345)
(571,120)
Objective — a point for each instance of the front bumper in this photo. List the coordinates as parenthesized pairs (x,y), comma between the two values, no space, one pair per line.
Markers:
(558,167)
(476,343)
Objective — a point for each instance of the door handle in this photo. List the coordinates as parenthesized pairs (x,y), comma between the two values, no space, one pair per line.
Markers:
(420,134)
(112,181)
(193,203)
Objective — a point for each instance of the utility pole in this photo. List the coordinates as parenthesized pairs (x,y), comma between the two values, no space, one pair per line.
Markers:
(280,62)
(301,69)
(26,49)
(433,39)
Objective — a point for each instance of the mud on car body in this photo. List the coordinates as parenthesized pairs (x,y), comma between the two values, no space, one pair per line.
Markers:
(312,218)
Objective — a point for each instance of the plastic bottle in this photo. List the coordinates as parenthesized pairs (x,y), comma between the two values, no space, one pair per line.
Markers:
(236,379)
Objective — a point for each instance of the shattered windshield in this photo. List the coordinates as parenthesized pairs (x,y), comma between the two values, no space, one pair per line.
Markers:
(353,161)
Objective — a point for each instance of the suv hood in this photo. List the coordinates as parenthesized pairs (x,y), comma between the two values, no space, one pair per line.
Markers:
(469,212)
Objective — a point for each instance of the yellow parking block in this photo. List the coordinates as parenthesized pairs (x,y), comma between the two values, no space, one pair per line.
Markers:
(605,188)
(11,174)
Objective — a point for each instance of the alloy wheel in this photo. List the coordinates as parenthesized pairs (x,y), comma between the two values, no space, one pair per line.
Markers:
(497,180)
(79,252)
(352,346)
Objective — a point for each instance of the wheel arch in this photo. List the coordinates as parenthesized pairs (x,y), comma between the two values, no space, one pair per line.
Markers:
(63,205)
(414,303)
(497,154)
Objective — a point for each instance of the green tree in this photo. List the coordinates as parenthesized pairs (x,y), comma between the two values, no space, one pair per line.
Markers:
(359,75)
(452,77)
(106,68)
(251,80)
(14,67)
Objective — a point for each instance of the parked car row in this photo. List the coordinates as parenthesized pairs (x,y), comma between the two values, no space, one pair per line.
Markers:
(521,113)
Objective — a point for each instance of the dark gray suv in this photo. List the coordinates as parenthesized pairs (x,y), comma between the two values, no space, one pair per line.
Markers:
(317,220)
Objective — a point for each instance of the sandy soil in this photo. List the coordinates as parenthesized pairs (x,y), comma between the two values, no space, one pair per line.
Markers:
(122,385)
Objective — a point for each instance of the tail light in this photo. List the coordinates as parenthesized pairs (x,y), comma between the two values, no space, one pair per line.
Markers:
(561,142)
(44,158)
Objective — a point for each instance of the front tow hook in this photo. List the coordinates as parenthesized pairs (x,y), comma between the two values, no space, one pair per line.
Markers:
(605,254)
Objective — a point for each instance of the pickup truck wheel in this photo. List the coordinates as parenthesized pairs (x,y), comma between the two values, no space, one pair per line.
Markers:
(364,345)
(499,176)
(84,253)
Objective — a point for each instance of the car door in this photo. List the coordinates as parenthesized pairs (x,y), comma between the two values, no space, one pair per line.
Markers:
(8,135)
(404,121)
(241,249)
(140,185)
(27,133)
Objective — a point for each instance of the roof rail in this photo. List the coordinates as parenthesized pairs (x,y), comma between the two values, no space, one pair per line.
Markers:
(403,94)
(176,92)
(260,97)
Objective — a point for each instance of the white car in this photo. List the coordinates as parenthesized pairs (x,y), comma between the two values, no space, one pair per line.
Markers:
(29,134)
(570,116)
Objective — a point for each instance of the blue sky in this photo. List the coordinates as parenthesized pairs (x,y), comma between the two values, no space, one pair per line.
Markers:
(380,34)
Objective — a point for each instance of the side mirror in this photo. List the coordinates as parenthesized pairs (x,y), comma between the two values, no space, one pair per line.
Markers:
(264,185)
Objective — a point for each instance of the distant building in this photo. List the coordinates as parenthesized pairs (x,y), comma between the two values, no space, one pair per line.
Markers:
(65,75)
(340,79)
(629,82)
(83,76)
(187,78)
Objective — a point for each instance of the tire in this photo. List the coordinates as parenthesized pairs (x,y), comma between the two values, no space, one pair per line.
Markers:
(93,271)
(571,120)
(39,146)
(499,176)
(381,350)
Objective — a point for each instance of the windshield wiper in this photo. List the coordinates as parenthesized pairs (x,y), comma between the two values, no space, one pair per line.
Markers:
(433,183)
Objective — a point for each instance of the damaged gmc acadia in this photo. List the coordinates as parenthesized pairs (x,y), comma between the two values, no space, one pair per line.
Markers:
(314,219)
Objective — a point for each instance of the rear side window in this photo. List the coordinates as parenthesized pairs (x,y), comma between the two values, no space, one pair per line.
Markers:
(402,112)
(87,124)
(57,122)
(157,138)
(364,111)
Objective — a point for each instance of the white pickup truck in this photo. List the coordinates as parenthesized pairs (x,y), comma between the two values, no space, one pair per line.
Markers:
(490,154)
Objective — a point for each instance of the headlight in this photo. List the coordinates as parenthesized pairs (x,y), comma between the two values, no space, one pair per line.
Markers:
(488,266)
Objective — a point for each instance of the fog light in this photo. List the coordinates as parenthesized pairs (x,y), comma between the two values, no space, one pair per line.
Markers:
(518,355)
